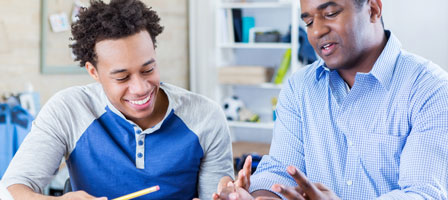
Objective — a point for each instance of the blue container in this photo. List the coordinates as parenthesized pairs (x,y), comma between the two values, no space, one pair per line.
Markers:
(248,23)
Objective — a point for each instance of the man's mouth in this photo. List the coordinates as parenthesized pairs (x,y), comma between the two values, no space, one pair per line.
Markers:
(328,48)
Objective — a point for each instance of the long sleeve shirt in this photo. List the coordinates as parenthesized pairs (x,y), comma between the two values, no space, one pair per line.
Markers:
(108,155)
(385,138)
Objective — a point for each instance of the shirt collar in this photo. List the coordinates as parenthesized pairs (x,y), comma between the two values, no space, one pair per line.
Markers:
(321,69)
(157,126)
(384,66)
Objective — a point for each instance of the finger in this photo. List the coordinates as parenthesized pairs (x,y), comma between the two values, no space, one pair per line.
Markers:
(248,165)
(196,199)
(233,196)
(244,174)
(267,198)
(288,192)
(321,187)
(306,186)
(223,183)
(231,185)
(225,192)
(215,196)
(300,191)
(242,179)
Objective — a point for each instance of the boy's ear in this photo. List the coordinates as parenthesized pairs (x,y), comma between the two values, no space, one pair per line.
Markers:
(91,69)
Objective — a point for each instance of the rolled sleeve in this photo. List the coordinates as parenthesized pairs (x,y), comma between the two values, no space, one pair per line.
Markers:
(286,147)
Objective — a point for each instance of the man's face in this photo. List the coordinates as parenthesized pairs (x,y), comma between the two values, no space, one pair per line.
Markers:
(127,70)
(337,30)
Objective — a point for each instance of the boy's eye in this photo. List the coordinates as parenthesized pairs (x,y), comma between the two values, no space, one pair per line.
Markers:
(122,79)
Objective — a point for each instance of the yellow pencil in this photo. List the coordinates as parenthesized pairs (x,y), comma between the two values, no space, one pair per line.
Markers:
(138,193)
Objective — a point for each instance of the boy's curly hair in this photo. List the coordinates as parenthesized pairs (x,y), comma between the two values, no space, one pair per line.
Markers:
(118,19)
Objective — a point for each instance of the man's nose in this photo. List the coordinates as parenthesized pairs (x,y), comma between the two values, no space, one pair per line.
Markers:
(319,28)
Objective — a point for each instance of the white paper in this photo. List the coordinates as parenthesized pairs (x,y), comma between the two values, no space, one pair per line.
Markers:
(59,22)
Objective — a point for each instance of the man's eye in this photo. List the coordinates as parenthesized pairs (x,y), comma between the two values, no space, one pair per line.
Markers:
(148,71)
(308,23)
(332,14)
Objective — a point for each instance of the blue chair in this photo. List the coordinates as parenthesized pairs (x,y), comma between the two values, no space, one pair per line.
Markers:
(15,124)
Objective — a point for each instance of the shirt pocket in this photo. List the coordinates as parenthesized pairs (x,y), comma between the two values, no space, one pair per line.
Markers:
(380,155)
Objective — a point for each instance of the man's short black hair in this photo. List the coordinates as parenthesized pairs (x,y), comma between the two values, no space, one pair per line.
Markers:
(118,19)
(359,3)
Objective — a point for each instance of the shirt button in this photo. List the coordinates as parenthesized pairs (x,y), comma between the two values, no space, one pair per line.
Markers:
(139,155)
(140,142)
(139,131)
(349,182)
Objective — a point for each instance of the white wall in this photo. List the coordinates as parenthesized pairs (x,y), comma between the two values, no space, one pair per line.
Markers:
(19,48)
(421,26)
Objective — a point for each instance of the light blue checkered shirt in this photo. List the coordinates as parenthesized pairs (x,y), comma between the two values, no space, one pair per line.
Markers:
(387,137)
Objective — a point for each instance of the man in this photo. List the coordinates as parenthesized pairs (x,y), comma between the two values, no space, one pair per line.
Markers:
(128,131)
(369,120)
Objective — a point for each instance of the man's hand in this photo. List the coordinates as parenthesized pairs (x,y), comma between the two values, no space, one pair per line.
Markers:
(305,188)
(243,179)
(233,192)
(227,189)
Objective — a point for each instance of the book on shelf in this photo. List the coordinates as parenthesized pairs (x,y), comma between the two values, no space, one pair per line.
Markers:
(237,24)
(229,23)
(223,32)
(226,28)
(245,75)
(283,68)
(248,23)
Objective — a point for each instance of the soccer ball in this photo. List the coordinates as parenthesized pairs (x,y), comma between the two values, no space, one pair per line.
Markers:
(232,106)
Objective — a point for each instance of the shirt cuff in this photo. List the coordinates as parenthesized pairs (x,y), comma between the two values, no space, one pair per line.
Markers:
(263,181)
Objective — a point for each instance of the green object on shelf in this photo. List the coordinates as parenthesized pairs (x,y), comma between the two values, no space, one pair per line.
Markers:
(284,66)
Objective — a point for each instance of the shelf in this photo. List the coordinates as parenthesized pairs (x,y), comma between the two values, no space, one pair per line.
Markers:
(256,45)
(270,86)
(257,5)
(257,125)
(259,86)
(240,148)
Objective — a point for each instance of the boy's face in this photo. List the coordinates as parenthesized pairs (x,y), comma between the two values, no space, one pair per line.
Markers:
(128,72)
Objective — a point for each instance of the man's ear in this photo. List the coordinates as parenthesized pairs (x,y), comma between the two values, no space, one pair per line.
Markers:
(376,10)
(91,69)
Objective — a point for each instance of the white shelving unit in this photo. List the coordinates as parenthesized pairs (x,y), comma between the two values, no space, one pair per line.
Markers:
(251,132)
(272,4)
(266,125)
(277,14)
(266,86)
(205,62)
(256,45)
